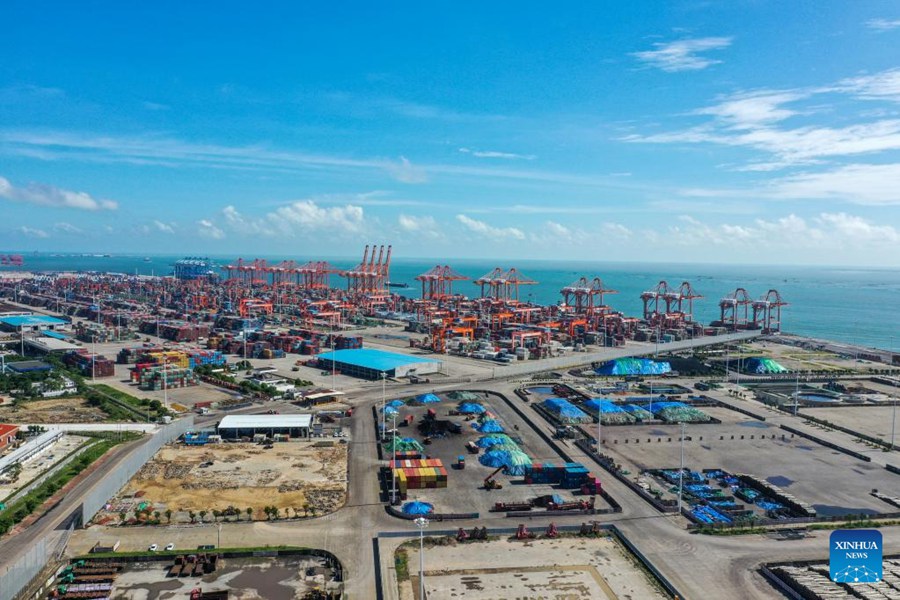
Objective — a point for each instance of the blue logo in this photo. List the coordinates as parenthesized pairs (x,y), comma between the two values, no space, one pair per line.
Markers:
(856,556)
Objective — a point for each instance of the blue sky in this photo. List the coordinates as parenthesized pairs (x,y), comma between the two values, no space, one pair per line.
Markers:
(738,131)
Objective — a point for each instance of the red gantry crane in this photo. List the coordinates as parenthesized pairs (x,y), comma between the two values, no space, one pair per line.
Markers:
(502,285)
(767,312)
(437,282)
(734,309)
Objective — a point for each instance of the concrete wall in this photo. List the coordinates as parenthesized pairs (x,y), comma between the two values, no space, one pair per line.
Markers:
(18,573)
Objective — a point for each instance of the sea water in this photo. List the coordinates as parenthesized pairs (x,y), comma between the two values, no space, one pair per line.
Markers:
(838,303)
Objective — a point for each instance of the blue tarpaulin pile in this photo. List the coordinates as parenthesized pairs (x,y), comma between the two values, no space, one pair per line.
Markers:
(565,411)
(470,408)
(633,366)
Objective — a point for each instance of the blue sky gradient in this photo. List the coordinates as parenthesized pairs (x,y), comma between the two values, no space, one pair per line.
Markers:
(743,131)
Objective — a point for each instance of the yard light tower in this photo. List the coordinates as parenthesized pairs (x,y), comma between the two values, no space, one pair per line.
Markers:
(681,471)
(383,393)
(421,523)
(393,471)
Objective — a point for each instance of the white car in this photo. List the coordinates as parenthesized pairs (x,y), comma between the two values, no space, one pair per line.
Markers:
(153,547)
(170,546)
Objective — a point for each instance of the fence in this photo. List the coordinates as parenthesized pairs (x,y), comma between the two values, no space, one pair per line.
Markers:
(16,576)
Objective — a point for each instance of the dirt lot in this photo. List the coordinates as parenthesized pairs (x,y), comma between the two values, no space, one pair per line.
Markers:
(287,476)
(245,578)
(570,568)
(53,410)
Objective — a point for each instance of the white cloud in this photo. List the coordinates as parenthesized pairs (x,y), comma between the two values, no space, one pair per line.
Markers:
(857,228)
(66,228)
(683,55)
(482,228)
(497,154)
(557,229)
(406,172)
(743,111)
(856,183)
(48,195)
(209,230)
(883,24)
(32,232)
(884,85)
(302,216)
(426,225)
(164,227)
(616,230)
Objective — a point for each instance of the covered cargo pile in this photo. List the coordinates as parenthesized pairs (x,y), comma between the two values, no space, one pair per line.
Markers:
(425,399)
(762,366)
(514,462)
(463,396)
(565,411)
(489,441)
(679,412)
(633,366)
(426,473)
(640,414)
(471,408)
(610,412)
(404,445)
(488,426)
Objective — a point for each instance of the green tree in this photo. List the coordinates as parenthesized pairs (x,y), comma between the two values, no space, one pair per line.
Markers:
(122,516)
(169,515)
(156,514)
(203,515)
(216,514)
(192,515)
(249,513)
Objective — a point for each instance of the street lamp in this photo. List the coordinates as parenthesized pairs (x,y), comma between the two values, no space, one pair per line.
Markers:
(681,472)
(393,471)
(421,523)
(383,380)
(93,358)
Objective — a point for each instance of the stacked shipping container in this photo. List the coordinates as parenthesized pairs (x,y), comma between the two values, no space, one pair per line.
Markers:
(419,474)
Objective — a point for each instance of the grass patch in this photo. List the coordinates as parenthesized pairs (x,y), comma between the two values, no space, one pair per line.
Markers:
(401,565)
(19,510)
(122,406)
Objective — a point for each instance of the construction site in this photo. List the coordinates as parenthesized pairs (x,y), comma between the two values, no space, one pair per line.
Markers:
(236,481)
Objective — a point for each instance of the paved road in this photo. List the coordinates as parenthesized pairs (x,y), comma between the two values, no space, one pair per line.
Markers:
(701,566)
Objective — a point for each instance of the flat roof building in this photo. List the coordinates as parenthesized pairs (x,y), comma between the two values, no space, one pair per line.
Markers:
(236,426)
(29,366)
(32,323)
(370,364)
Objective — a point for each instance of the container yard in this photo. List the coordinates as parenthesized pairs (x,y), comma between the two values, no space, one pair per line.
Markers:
(576,569)
(184,478)
(466,452)
(256,309)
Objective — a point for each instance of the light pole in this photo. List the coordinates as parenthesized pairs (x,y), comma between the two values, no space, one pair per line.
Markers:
(599,424)
(421,523)
(93,358)
(383,393)
(165,383)
(681,472)
(333,361)
(394,471)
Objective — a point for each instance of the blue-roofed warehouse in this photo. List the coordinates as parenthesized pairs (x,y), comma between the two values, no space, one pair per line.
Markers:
(370,364)
(30,323)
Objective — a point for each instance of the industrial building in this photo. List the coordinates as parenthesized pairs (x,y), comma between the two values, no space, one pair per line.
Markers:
(370,364)
(7,435)
(29,366)
(32,323)
(236,426)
